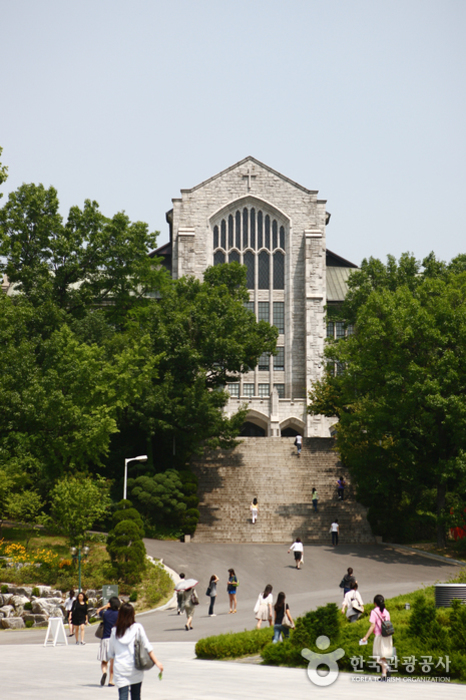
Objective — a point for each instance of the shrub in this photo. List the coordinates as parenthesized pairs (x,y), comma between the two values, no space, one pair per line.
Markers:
(125,545)
(29,623)
(157,585)
(28,605)
(35,592)
(133,596)
(230,646)
(4,589)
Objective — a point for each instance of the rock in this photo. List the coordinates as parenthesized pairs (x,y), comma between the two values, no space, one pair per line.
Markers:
(5,598)
(21,590)
(12,623)
(7,610)
(29,617)
(47,606)
(19,601)
(41,624)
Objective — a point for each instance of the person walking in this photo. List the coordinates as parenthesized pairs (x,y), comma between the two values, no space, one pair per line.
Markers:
(232,586)
(299,444)
(254,508)
(352,603)
(347,581)
(335,531)
(315,499)
(121,650)
(212,592)
(263,607)
(179,594)
(282,613)
(189,602)
(341,483)
(298,549)
(383,646)
(79,616)
(68,607)
(109,614)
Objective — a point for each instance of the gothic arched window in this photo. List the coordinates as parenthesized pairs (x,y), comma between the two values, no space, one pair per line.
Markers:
(233,256)
(219,257)
(278,270)
(223,234)
(230,232)
(264,270)
(249,260)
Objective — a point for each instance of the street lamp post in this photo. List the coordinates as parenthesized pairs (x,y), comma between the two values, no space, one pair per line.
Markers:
(141,458)
(76,554)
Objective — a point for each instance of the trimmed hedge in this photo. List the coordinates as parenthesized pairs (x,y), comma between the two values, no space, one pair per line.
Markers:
(422,631)
(234,645)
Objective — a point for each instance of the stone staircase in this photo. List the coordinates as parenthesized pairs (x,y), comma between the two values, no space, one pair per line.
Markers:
(269,469)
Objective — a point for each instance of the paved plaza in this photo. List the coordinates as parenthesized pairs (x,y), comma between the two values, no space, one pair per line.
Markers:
(30,670)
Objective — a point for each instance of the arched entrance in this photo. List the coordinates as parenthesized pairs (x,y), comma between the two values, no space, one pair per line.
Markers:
(292,427)
(249,429)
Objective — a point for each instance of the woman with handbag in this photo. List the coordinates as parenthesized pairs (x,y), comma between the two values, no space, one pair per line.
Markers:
(283,620)
(109,615)
(263,607)
(352,603)
(123,639)
(383,642)
(189,601)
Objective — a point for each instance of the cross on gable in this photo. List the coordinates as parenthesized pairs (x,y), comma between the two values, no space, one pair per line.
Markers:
(249,176)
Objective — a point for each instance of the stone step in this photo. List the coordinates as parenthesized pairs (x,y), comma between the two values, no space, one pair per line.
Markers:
(269,469)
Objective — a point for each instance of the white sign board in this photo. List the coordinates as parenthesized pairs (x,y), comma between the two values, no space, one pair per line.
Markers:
(56,632)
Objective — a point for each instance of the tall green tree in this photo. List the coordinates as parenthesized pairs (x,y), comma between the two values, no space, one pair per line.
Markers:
(60,398)
(89,260)
(77,503)
(400,394)
(204,338)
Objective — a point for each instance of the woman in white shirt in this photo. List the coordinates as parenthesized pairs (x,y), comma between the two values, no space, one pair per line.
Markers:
(352,599)
(263,607)
(334,531)
(254,508)
(121,649)
(298,549)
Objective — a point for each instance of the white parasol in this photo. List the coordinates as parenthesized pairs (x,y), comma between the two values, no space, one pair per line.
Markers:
(185,584)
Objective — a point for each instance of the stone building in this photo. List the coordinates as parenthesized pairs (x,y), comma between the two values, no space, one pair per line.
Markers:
(277,228)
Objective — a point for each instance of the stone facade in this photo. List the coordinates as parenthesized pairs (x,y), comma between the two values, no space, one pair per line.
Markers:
(259,217)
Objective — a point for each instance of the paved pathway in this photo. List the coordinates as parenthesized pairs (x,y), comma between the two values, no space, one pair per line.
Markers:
(73,673)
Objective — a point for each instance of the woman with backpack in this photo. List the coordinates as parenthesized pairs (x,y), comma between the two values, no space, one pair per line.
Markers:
(347,581)
(352,603)
(383,642)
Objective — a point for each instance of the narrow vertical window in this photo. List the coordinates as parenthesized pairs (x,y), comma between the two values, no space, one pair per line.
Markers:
(238,230)
(233,256)
(264,362)
(223,234)
(245,228)
(282,237)
(263,312)
(279,360)
(230,232)
(249,260)
(340,326)
(219,257)
(215,237)
(264,270)
(330,329)
(274,234)
(267,232)
(259,230)
(278,270)
(252,218)
(279,316)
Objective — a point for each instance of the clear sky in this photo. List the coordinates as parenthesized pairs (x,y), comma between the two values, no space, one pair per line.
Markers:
(128,102)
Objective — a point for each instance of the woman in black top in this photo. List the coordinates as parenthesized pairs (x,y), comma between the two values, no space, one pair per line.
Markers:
(79,615)
(348,580)
(281,609)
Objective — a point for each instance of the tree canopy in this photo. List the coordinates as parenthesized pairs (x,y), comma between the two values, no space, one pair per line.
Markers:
(400,392)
